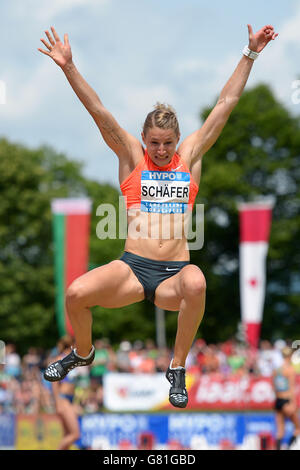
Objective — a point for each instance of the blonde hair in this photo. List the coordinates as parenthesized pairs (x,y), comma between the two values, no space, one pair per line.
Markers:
(164,117)
(287,351)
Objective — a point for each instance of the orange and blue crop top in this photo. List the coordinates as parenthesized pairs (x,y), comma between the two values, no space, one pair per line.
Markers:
(170,189)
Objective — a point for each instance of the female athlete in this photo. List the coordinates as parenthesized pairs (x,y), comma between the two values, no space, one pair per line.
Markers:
(159,179)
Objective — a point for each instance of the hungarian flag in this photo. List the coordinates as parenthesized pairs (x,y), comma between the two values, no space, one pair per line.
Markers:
(255,224)
(71,227)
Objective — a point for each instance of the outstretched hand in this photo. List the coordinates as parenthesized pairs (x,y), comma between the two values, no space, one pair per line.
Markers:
(259,40)
(58,51)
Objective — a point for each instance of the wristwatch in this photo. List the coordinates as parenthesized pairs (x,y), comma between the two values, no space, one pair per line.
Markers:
(251,54)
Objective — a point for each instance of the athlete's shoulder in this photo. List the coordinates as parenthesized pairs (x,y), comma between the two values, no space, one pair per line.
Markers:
(128,169)
(184,156)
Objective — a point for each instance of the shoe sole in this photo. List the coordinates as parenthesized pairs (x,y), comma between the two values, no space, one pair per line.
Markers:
(177,405)
(53,379)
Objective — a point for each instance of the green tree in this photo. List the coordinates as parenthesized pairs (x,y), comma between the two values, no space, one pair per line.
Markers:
(28,181)
(256,155)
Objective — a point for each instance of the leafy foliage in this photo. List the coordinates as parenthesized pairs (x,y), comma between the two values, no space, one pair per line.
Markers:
(257,155)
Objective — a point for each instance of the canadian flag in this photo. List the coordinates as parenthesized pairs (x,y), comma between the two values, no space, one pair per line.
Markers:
(255,224)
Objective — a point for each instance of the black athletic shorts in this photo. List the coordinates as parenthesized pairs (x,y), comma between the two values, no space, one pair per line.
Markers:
(279,403)
(151,272)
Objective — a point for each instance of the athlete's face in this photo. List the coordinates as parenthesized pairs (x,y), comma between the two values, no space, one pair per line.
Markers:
(161,145)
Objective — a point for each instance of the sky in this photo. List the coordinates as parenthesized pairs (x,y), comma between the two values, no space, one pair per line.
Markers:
(133,53)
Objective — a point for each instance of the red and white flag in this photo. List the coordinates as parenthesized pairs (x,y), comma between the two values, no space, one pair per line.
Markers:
(255,225)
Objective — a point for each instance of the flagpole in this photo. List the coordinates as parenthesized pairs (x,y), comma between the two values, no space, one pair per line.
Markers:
(160,327)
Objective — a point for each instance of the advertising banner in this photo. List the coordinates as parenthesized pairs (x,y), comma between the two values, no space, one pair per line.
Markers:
(141,392)
(43,432)
(7,431)
(207,392)
(111,431)
(178,430)
(232,393)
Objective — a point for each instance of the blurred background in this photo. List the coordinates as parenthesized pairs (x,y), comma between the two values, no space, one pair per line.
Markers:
(134,54)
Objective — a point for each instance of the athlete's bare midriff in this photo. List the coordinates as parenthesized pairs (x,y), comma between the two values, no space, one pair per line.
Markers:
(157,236)
(284,395)
(67,388)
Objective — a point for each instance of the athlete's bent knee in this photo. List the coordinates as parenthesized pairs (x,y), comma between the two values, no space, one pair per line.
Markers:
(194,287)
(75,295)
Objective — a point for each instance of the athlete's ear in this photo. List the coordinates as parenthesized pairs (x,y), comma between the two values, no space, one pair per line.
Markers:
(143,137)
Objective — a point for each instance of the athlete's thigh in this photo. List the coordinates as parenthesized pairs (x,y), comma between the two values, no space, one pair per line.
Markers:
(295,420)
(170,292)
(68,416)
(279,418)
(288,409)
(111,286)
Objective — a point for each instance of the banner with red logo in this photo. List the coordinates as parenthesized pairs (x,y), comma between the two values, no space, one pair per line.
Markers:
(232,393)
(139,392)
(255,224)
(147,392)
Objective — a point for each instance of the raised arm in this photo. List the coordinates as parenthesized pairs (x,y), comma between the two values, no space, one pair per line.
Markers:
(120,141)
(198,143)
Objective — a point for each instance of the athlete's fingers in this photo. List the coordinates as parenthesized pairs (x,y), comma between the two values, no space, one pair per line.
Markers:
(44,52)
(66,39)
(268,30)
(250,30)
(46,44)
(56,37)
(50,38)
(274,36)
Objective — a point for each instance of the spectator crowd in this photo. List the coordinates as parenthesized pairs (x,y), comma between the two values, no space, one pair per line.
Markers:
(23,389)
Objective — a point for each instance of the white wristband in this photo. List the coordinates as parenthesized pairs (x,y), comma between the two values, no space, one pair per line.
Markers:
(251,54)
